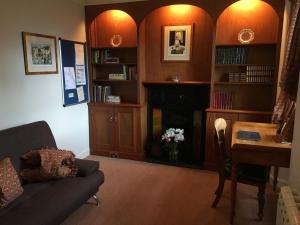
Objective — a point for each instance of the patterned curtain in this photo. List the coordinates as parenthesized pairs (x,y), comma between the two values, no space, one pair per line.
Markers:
(290,71)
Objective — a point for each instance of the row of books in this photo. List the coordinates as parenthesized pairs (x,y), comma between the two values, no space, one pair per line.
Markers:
(255,77)
(231,55)
(101,93)
(104,56)
(260,74)
(253,74)
(129,73)
(222,100)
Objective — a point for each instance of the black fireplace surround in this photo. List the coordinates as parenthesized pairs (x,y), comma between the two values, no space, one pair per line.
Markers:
(177,106)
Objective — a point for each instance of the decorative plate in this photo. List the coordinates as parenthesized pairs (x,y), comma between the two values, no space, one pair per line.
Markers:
(246,36)
(116,40)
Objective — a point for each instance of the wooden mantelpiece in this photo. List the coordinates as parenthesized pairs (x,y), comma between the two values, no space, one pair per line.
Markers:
(147,83)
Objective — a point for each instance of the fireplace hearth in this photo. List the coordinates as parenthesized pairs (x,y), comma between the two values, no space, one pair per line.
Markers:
(177,106)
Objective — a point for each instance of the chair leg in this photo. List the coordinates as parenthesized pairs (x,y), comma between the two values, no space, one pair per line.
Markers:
(219,192)
(261,201)
(96,199)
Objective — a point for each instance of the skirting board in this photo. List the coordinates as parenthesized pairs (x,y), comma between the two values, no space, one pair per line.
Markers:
(83,154)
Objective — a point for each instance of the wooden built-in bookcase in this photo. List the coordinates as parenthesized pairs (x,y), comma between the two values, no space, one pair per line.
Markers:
(243,76)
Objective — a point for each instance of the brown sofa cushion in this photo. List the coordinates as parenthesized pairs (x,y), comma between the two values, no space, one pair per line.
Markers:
(48,164)
(10,186)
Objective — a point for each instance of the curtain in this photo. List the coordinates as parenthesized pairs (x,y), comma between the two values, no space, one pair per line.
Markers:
(290,71)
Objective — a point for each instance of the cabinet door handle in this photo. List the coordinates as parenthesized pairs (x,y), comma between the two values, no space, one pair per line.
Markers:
(111,118)
(116,118)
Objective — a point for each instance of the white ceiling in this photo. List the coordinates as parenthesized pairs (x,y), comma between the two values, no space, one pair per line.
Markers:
(97,2)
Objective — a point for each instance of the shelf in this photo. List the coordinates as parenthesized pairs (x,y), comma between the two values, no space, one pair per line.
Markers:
(114,64)
(249,64)
(108,47)
(238,111)
(243,83)
(245,45)
(207,83)
(115,81)
(129,105)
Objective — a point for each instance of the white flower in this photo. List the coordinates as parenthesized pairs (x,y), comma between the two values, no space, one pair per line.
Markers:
(175,134)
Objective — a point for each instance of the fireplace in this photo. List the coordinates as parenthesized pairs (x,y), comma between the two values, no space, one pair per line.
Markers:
(177,106)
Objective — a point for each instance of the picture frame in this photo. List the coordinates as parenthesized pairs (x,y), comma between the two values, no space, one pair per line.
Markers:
(177,43)
(40,54)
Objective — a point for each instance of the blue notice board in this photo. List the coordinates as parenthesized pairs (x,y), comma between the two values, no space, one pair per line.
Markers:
(74,72)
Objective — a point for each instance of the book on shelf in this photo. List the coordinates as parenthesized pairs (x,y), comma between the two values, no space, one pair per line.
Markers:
(101,93)
(104,56)
(130,71)
(260,73)
(253,74)
(96,57)
(117,76)
(231,55)
(113,99)
(222,100)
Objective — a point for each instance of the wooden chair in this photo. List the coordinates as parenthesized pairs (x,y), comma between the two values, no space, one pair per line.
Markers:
(248,174)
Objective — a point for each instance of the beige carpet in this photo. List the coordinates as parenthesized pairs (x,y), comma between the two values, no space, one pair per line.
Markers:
(138,193)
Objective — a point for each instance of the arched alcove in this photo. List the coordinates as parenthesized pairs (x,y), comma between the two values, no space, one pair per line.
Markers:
(151,43)
(256,15)
(113,22)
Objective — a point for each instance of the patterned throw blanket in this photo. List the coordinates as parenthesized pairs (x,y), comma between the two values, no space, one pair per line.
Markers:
(48,164)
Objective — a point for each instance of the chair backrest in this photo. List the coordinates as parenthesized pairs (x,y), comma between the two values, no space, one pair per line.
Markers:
(221,153)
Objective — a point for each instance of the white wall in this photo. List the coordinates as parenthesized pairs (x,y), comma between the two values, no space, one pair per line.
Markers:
(25,99)
(294,179)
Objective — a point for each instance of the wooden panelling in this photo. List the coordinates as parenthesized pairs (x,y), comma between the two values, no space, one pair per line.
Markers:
(101,119)
(110,23)
(115,131)
(199,67)
(258,16)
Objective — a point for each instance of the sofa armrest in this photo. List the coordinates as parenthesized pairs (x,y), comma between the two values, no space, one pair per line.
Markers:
(86,167)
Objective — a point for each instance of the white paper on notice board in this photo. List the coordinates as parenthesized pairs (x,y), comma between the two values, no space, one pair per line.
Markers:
(80,94)
(79,54)
(80,75)
(70,82)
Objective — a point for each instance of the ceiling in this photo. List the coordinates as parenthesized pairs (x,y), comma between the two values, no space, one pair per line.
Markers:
(97,2)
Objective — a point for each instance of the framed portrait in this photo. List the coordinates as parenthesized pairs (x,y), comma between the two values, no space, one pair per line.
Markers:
(40,54)
(177,43)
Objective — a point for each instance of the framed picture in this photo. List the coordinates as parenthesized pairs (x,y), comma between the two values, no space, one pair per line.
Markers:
(177,43)
(40,55)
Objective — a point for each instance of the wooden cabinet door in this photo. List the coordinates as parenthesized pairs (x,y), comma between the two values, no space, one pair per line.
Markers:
(126,130)
(102,130)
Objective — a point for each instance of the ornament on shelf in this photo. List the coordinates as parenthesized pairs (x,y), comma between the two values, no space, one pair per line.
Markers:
(246,36)
(116,40)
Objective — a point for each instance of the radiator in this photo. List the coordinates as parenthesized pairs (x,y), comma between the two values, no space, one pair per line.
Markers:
(288,207)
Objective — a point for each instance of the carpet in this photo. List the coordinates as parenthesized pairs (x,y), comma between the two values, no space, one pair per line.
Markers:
(140,193)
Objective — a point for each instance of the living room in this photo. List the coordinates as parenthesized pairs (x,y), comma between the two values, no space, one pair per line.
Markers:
(129,185)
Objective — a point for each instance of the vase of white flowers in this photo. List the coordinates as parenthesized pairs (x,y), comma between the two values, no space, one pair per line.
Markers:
(172,136)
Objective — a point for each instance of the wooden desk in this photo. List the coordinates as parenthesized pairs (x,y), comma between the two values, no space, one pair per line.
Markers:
(266,152)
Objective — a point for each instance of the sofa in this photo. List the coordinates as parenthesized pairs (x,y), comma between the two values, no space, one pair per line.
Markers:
(45,203)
